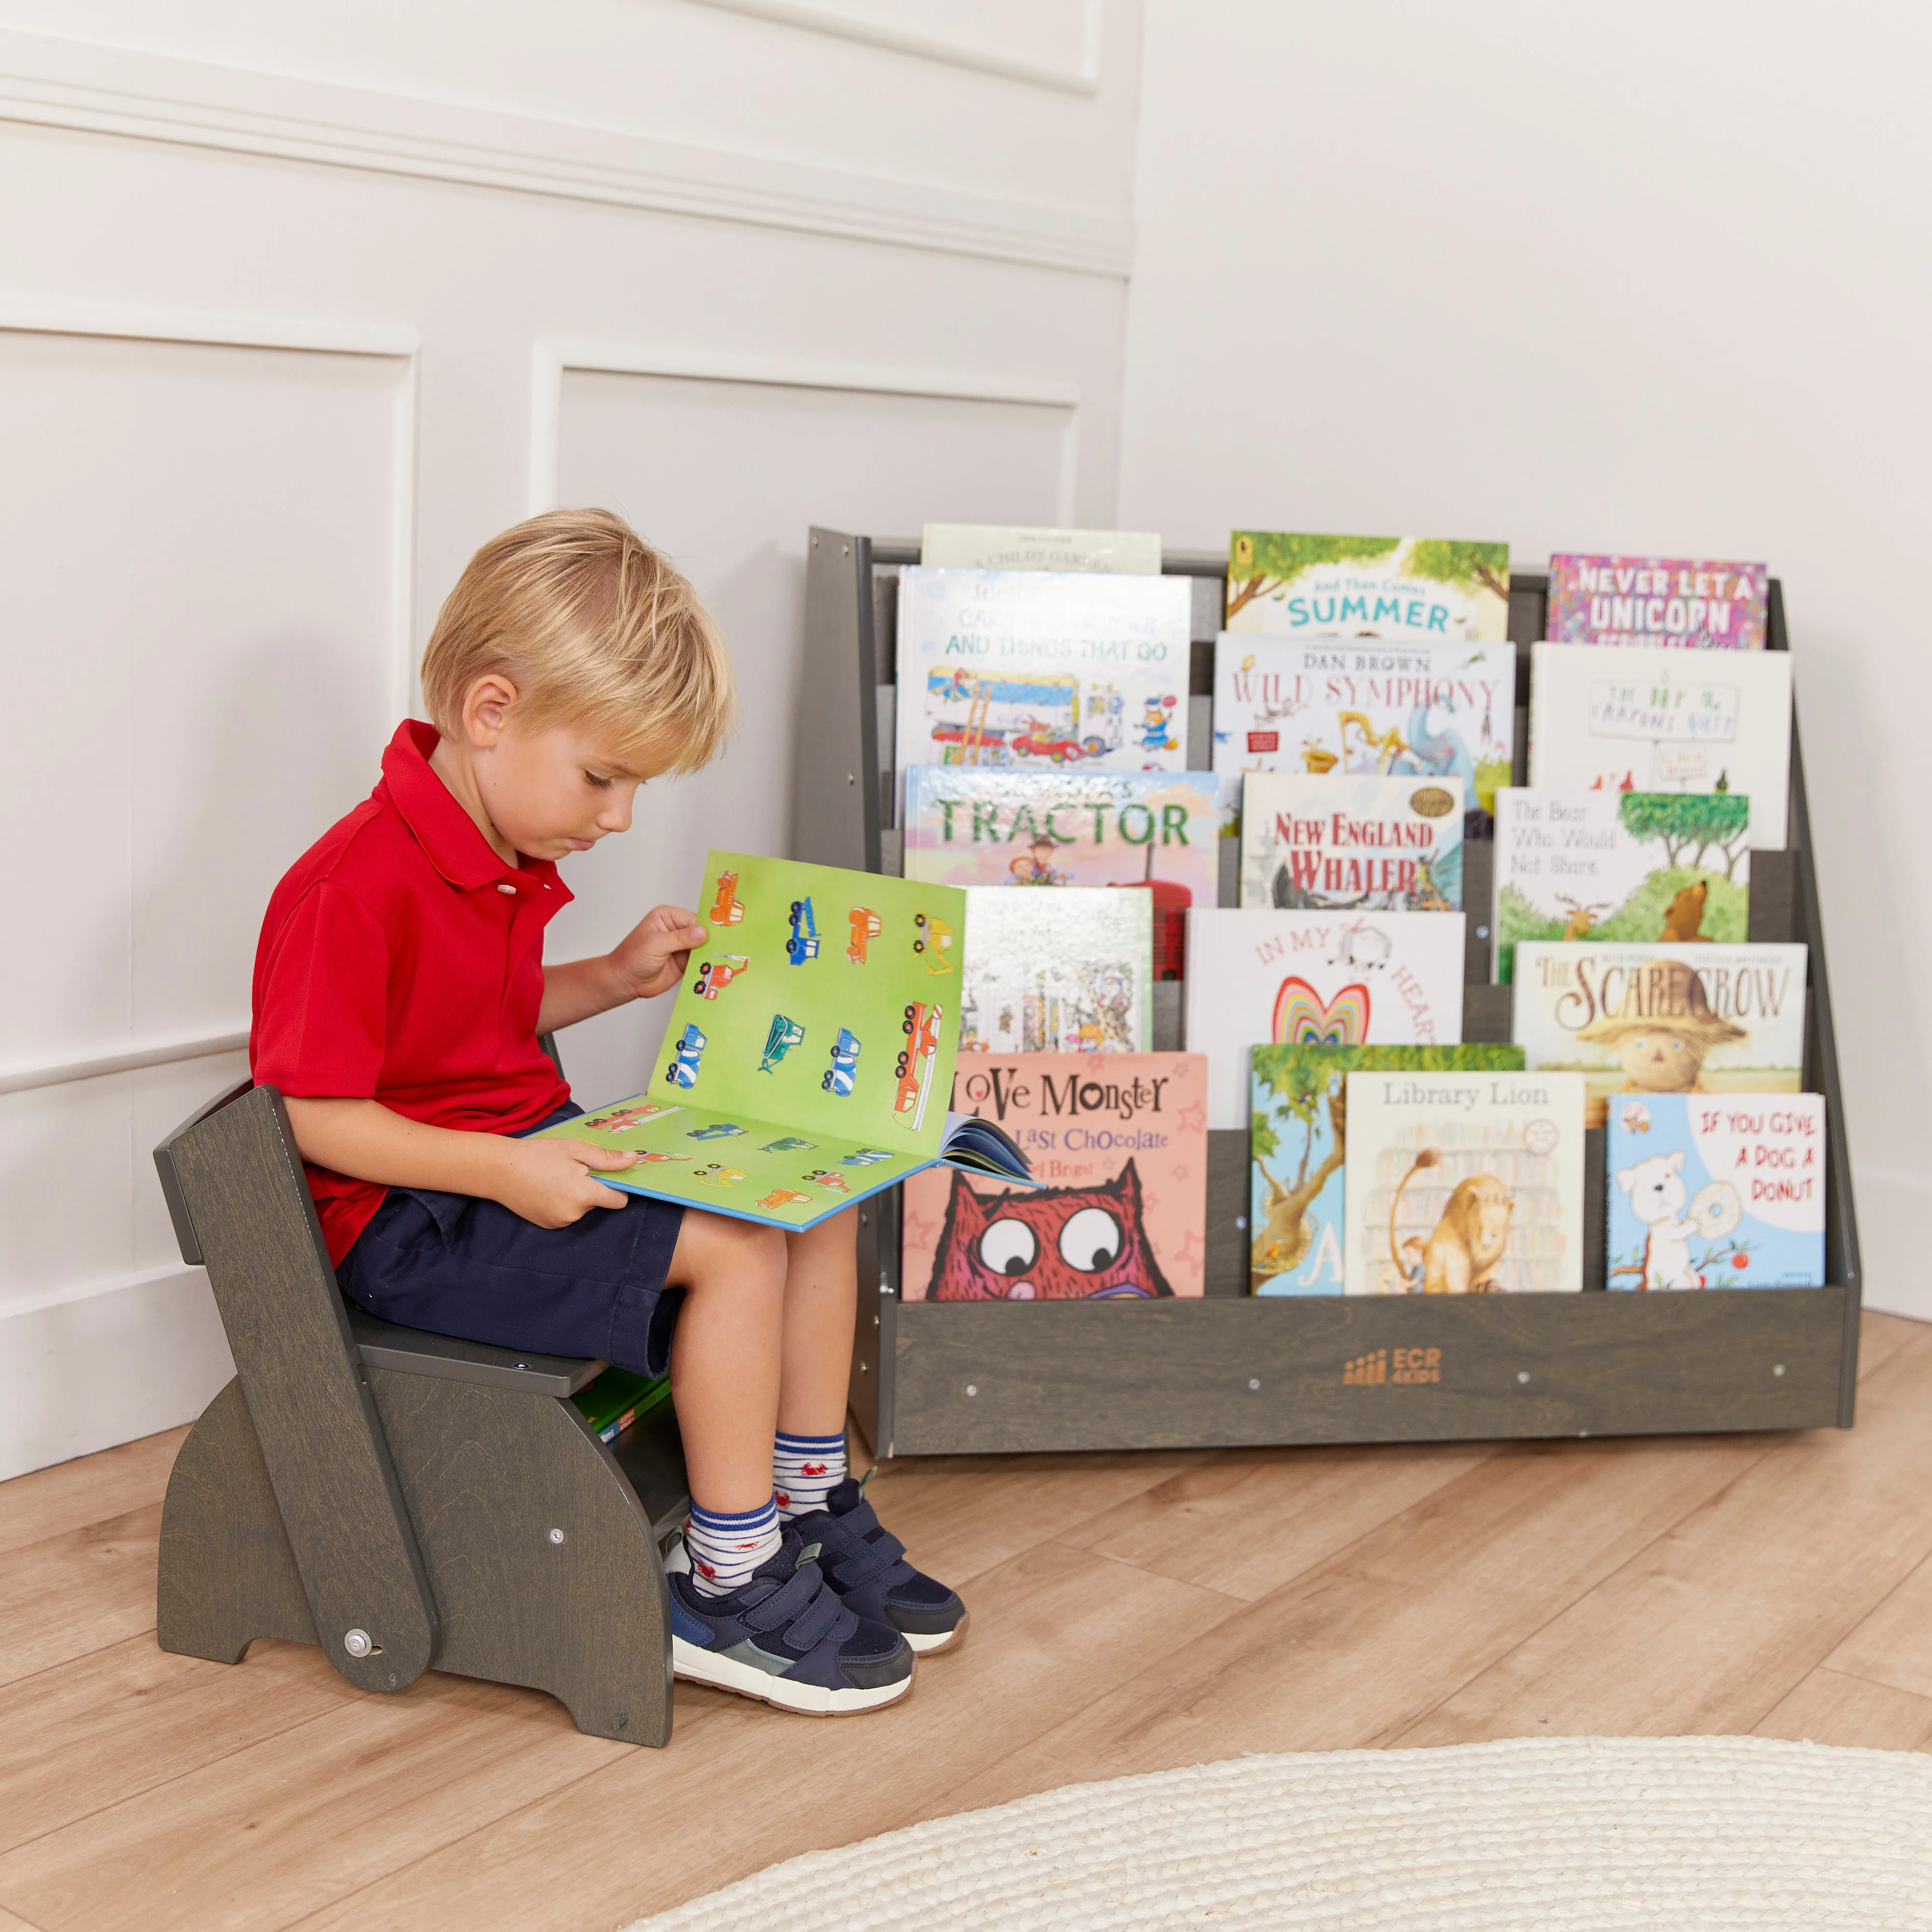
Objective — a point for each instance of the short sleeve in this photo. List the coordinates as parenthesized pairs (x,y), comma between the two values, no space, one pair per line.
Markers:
(321,1009)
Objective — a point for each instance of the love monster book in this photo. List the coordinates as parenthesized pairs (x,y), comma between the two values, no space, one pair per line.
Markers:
(1315,978)
(1640,718)
(1352,710)
(1069,971)
(1005,547)
(1035,669)
(1710,1191)
(1675,602)
(1408,587)
(1465,1184)
(1299,1142)
(1643,865)
(1156,831)
(810,1051)
(1662,1019)
(1119,1148)
(1342,844)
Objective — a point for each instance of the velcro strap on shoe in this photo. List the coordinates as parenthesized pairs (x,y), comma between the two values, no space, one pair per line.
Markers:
(858,1563)
(809,1628)
(787,1601)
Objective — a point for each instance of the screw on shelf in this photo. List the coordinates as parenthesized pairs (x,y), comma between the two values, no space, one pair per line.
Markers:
(1254,1384)
(358,1644)
(1522,1374)
(972,1388)
(556,1536)
(1779,1370)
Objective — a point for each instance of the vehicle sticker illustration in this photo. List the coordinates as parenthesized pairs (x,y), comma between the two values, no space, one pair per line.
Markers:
(933,938)
(646,1153)
(788,1144)
(841,1076)
(824,1177)
(715,975)
(866,1157)
(718,1130)
(783,1197)
(865,927)
(803,943)
(718,1175)
(725,910)
(784,1035)
(914,1064)
(620,1119)
(682,1071)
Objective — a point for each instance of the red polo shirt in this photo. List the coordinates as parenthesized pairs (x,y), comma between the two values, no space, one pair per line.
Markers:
(402,961)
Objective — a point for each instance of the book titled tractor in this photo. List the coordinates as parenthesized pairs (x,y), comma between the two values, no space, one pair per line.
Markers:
(809,1060)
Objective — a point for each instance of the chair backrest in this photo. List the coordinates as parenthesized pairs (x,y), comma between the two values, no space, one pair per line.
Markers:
(233,1182)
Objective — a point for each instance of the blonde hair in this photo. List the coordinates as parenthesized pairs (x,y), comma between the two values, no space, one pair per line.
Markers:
(594,627)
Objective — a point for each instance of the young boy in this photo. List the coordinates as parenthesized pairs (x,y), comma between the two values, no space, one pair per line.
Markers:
(399,991)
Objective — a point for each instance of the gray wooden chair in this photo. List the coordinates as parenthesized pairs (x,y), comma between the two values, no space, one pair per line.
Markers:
(407,1502)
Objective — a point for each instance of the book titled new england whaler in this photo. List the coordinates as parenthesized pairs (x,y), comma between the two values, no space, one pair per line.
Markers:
(1368,845)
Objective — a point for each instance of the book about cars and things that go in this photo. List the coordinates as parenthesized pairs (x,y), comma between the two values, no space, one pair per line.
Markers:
(1419,588)
(1036,670)
(1662,1019)
(1642,718)
(1465,1184)
(1069,971)
(1351,843)
(1680,602)
(810,1051)
(1336,706)
(1258,978)
(1716,1190)
(1636,866)
(1012,547)
(1119,1146)
(1155,831)
(1299,1146)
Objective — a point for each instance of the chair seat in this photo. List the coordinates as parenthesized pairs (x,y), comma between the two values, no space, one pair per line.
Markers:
(415,1352)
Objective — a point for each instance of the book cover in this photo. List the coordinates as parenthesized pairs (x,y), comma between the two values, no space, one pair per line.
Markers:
(1716,1192)
(1351,843)
(1391,979)
(1354,710)
(810,1050)
(1155,831)
(1299,1144)
(1642,865)
(1465,1184)
(1676,602)
(1062,972)
(1035,669)
(1662,1019)
(1011,546)
(1119,1148)
(1641,718)
(1420,588)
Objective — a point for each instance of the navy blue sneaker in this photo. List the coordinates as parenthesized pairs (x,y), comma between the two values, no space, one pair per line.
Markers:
(783,1637)
(866,1565)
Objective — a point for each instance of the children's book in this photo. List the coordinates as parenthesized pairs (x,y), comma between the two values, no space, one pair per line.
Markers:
(1419,588)
(1063,972)
(1034,670)
(1154,830)
(1351,843)
(1716,1191)
(1337,707)
(1642,718)
(1642,865)
(616,1399)
(1391,979)
(1119,1148)
(810,1051)
(1671,600)
(1465,1184)
(1005,547)
(1662,1019)
(1299,1143)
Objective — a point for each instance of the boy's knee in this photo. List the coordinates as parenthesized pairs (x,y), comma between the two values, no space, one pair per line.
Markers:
(743,1258)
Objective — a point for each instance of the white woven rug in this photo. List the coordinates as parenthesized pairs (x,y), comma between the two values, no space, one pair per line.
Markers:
(1536,1834)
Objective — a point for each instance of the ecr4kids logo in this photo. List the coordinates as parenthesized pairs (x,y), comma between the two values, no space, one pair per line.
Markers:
(1409,1365)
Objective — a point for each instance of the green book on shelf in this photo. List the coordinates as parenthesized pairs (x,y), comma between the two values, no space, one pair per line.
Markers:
(809,1056)
(616,1399)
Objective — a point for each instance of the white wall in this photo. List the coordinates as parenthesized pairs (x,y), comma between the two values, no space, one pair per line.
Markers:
(298,307)
(1645,278)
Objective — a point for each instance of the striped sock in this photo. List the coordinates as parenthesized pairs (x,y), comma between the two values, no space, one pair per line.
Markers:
(725,1550)
(804,1469)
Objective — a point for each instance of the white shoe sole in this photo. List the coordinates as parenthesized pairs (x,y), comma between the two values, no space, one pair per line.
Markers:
(697,1666)
(931,1645)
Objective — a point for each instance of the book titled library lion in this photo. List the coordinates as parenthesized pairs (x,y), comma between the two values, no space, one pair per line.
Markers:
(1367,586)
(1662,1019)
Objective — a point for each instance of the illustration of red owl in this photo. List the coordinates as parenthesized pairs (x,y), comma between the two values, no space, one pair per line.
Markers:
(1049,1244)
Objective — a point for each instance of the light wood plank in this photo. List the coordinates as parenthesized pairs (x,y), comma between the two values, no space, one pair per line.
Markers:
(1827,1707)
(1893,1644)
(89,1489)
(76,1592)
(1881,1336)
(11,1921)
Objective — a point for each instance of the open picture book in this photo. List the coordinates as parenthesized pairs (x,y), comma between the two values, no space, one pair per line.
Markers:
(809,1060)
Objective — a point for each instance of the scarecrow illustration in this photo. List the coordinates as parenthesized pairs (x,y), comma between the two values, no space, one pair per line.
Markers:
(1661,1034)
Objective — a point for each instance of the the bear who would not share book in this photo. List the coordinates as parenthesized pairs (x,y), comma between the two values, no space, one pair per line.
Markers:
(1716,1191)
(1411,587)
(1465,1184)
(1678,601)
(1119,1148)
(1351,844)
(810,1051)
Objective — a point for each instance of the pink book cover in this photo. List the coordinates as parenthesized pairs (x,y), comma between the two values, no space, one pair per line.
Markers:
(1120,1147)
(1699,605)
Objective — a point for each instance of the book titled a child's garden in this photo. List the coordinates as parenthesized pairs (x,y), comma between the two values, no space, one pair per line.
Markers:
(809,1057)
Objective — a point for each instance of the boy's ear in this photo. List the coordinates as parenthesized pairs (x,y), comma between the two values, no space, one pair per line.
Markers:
(486,710)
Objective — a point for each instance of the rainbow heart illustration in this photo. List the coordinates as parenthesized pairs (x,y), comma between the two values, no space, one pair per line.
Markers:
(1301,1019)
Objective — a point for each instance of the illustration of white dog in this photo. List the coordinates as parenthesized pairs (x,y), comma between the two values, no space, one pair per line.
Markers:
(1657,1198)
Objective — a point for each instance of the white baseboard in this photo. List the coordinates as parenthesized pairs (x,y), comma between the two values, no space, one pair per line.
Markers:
(1894,1209)
(85,1373)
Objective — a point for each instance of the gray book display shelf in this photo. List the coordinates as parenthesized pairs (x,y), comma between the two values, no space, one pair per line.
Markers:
(955,1378)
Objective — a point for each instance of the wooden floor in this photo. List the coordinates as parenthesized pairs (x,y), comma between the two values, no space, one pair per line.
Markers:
(1129,1612)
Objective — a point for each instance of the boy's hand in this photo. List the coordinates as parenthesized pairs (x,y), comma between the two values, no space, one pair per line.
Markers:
(650,959)
(550,1182)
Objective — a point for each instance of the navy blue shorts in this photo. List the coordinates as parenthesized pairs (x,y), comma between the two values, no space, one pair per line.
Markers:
(455,1265)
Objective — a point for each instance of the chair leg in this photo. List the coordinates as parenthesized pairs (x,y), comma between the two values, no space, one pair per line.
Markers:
(542,1563)
(227,1575)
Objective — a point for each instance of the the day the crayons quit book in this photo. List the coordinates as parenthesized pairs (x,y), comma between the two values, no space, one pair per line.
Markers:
(810,1052)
